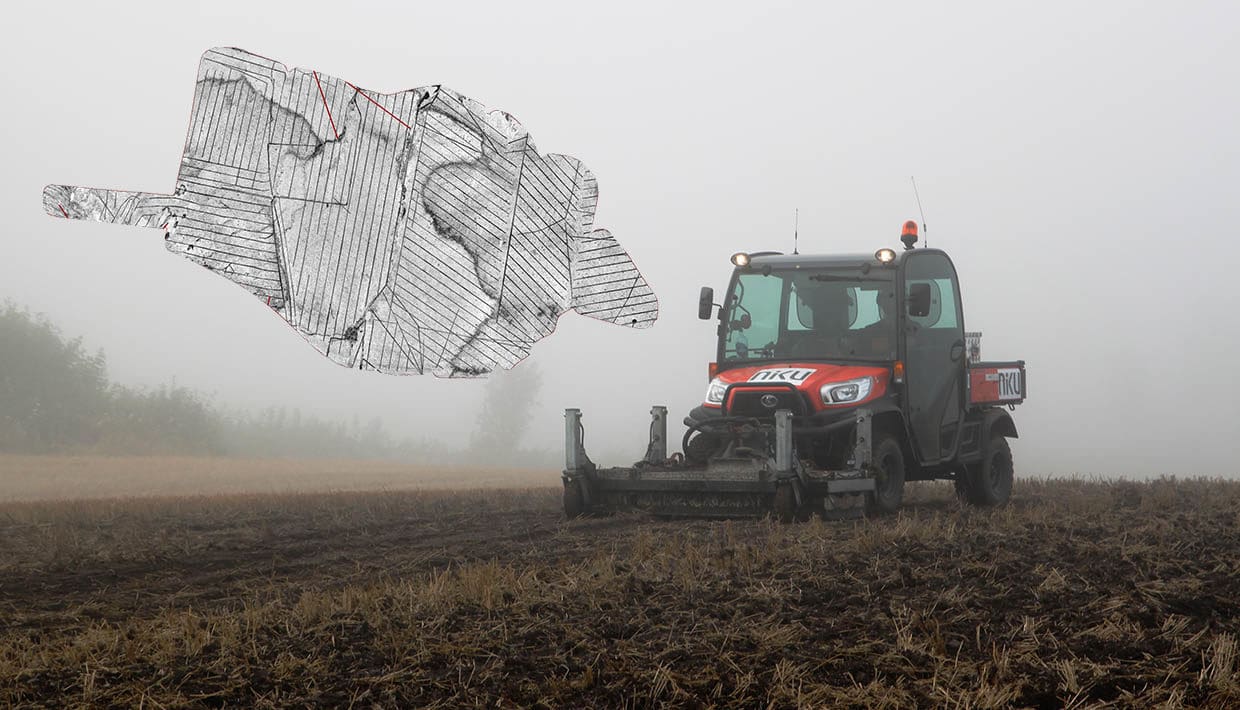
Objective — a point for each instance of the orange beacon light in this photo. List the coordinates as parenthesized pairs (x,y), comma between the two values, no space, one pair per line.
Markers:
(908,234)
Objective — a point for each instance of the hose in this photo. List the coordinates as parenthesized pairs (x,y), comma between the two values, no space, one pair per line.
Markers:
(705,423)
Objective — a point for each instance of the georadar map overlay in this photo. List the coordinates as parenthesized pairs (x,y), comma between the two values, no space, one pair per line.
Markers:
(416,232)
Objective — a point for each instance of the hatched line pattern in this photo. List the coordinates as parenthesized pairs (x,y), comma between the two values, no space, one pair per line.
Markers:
(409,233)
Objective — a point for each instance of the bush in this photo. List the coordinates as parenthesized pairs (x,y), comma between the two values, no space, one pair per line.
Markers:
(57,398)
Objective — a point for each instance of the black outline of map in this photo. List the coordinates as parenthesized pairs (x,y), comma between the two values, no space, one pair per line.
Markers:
(408,233)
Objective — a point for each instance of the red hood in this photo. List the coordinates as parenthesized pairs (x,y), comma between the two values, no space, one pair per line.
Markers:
(809,377)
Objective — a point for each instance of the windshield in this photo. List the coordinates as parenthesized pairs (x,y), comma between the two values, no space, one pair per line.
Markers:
(803,314)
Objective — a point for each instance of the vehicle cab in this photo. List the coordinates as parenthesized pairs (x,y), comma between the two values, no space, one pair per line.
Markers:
(825,335)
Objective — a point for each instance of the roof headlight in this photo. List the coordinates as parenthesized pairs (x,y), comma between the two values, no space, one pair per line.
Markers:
(740,258)
(885,255)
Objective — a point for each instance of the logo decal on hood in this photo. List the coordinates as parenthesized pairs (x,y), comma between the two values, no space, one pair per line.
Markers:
(792,375)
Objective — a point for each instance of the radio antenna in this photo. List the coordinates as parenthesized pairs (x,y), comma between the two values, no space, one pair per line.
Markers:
(796,229)
(925,231)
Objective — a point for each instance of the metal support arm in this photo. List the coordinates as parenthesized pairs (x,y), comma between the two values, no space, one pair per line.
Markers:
(783,444)
(656,451)
(863,446)
(574,447)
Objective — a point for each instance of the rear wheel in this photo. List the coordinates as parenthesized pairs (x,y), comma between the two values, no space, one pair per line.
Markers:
(988,483)
(574,500)
(889,479)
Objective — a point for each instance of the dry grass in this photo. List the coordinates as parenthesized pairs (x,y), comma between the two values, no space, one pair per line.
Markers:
(1080,594)
(24,478)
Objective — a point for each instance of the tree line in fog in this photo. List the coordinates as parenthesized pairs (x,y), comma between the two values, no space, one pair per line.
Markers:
(56,397)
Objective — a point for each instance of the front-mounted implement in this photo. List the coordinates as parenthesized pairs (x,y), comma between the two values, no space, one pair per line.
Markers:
(755,471)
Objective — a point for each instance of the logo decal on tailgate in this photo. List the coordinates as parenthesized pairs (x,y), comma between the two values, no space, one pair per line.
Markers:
(1009,384)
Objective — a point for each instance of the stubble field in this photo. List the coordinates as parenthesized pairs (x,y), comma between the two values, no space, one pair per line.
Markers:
(1080,593)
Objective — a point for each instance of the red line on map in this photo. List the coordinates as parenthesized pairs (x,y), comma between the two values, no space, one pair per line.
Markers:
(329,108)
(381,108)
(62,210)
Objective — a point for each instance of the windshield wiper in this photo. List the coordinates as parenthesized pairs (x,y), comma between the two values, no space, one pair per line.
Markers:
(849,279)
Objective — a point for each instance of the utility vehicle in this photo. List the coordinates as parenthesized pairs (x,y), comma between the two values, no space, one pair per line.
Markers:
(837,379)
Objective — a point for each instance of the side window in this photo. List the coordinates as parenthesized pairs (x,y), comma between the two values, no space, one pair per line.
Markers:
(936,271)
(946,306)
(936,303)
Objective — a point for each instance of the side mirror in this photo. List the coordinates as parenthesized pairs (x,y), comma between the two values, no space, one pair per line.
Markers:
(706,302)
(919,300)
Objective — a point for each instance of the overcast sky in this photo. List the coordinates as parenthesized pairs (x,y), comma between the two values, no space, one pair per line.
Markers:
(1079,162)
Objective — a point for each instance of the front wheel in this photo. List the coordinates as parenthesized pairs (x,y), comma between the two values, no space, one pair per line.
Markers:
(988,483)
(889,479)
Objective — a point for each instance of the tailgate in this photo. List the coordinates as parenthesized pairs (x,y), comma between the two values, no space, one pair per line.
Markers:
(997,382)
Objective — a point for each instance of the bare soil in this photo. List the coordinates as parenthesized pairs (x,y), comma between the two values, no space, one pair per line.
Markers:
(1080,594)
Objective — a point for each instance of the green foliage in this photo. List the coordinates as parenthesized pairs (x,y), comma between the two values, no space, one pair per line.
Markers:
(56,398)
(53,395)
(169,420)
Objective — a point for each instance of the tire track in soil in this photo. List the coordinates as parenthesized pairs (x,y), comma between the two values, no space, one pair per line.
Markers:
(298,561)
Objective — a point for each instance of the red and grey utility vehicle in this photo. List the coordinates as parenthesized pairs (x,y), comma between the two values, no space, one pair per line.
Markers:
(837,380)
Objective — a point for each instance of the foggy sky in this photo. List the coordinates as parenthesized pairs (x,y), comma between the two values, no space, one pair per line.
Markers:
(1077,160)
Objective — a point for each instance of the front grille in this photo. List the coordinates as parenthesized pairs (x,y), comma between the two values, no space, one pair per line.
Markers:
(748,402)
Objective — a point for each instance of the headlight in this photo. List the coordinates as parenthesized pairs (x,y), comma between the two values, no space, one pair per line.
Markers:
(849,391)
(715,391)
